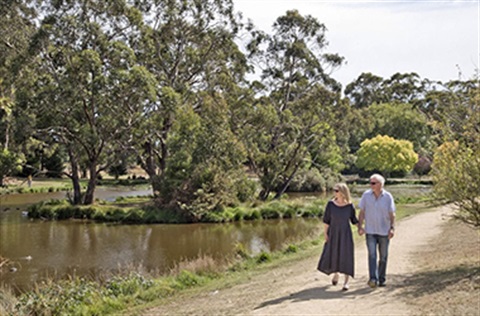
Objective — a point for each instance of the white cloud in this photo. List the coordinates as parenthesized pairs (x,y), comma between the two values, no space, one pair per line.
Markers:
(384,37)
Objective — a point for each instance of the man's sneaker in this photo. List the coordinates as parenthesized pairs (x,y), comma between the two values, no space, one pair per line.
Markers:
(382,284)
(372,284)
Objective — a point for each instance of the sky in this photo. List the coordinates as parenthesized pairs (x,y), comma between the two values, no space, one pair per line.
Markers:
(438,40)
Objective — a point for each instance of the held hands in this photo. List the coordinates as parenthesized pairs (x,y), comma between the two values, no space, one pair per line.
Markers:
(391,233)
(361,231)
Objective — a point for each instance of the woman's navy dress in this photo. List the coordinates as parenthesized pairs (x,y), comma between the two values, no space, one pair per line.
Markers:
(337,255)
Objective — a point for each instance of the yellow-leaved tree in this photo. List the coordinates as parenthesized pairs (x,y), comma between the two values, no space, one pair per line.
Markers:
(386,154)
(455,174)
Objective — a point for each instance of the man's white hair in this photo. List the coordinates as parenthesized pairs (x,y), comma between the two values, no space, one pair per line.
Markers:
(379,178)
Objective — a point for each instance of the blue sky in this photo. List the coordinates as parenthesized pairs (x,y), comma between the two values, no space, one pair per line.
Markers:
(439,40)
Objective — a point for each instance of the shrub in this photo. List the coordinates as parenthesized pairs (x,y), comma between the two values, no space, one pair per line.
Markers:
(291,249)
(188,279)
(263,257)
(254,215)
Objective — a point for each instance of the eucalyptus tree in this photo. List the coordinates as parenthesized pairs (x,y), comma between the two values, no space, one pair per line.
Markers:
(370,89)
(189,46)
(88,82)
(401,121)
(404,88)
(292,120)
(366,90)
(16,27)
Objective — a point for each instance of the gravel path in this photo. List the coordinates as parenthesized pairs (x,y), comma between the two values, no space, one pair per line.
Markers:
(300,289)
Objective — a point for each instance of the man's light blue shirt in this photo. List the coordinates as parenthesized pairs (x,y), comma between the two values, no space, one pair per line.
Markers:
(377,211)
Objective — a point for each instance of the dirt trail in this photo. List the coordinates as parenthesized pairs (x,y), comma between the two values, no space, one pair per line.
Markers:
(300,289)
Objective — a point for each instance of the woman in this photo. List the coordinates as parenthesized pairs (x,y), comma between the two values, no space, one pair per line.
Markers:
(337,256)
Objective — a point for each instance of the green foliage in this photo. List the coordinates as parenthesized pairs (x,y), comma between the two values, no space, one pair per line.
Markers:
(288,129)
(118,169)
(188,279)
(369,89)
(455,173)
(291,249)
(401,121)
(54,164)
(130,285)
(9,162)
(386,154)
(253,215)
(313,180)
(455,168)
(263,257)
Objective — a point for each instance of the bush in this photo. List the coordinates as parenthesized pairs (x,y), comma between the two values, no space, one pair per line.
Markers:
(254,215)
(291,249)
(263,257)
(188,279)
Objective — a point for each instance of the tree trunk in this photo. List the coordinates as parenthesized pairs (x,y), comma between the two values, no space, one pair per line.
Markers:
(263,195)
(150,168)
(286,183)
(92,183)
(77,194)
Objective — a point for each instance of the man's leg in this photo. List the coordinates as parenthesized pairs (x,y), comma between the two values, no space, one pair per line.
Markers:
(383,243)
(372,259)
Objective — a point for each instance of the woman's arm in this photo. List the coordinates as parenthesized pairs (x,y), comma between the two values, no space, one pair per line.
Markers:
(325,232)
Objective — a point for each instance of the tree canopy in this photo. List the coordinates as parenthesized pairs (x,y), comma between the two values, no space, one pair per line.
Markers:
(386,154)
(88,87)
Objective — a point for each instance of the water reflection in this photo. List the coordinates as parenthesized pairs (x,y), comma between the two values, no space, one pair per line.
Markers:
(71,247)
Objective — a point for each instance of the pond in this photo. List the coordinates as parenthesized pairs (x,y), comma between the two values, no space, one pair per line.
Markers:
(49,249)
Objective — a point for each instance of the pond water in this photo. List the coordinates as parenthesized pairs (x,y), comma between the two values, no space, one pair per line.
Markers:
(41,249)
(49,249)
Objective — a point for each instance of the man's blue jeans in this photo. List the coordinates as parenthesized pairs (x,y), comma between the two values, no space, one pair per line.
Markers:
(377,273)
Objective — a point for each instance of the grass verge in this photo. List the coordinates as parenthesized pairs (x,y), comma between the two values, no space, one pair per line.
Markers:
(135,291)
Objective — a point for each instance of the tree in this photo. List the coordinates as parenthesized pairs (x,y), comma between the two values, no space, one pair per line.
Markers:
(401,121)
(88,82)
(289,125)
(204,171)
(370,89)
(455,174)
(386,154)
(366,90)
(16,27)
(9,162)
(456,163)
(189,47)
(404,88)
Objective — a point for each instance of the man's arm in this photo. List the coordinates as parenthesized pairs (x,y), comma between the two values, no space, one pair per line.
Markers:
(391,232)
(361,218)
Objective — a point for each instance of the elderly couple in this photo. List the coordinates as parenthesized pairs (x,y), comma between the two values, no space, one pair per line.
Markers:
(377,210)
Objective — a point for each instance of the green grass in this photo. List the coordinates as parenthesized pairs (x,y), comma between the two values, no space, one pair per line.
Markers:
(135,292)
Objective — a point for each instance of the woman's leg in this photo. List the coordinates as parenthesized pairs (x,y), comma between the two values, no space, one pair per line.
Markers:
(335,278)
(345,284)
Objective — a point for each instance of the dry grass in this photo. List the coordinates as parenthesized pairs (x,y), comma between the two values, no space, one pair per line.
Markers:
(203,264)
(449,278)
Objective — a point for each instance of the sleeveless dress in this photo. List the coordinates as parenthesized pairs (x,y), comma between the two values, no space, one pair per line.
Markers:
(337,254)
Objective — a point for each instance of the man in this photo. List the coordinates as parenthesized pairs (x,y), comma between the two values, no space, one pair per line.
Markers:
(377,209)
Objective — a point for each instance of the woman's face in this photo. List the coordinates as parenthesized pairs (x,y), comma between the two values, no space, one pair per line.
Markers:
(337,192)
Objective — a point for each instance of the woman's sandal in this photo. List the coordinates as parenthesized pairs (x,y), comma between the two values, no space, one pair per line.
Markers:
(335,280)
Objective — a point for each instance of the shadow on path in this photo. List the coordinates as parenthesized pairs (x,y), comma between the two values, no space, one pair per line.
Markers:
(429,282)
(317,293)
